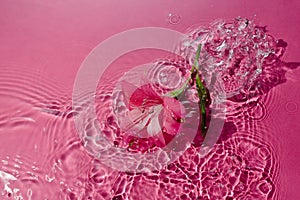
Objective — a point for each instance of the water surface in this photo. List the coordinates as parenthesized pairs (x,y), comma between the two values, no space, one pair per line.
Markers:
(42,154)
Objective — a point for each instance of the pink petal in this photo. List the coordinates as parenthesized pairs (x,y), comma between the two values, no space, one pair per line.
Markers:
(144,97)
(134,120)
(154,126)
(137,119)
(128,89)
(172,116)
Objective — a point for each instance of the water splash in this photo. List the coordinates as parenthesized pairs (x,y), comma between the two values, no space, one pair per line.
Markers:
(239,52)
(239,59)
(243,164)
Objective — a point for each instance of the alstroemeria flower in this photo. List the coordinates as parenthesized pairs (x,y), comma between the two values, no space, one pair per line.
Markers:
(150,114)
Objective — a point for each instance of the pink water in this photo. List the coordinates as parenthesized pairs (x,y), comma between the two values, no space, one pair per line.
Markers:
(43,153)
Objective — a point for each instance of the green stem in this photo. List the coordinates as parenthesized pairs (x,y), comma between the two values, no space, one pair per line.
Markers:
(196,62)
(202,95)
(177,92)
(201,90)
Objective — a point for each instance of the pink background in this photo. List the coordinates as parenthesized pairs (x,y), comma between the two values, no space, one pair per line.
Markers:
(46,41)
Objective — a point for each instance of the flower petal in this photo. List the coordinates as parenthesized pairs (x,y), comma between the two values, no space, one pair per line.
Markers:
(173,115)
(134,120)
(127,89)
(143,97)
(154,126)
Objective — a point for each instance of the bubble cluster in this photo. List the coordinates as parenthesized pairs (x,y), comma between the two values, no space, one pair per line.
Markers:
(235,51)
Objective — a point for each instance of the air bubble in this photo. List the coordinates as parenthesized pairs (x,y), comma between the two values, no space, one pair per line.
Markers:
(174,19)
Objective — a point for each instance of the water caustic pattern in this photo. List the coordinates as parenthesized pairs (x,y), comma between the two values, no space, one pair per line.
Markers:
(238,60)
(146,140)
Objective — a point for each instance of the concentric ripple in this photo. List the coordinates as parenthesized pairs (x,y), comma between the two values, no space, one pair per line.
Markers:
(169,74)
(240,63)
(36,130)
(238,59)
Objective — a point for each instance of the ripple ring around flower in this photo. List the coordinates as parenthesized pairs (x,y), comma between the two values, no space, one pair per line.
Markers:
(84,91)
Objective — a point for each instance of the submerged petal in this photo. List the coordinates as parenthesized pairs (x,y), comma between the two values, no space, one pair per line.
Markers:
(142,97)
(154,126)
(127,89)
(173,115)
(134,120)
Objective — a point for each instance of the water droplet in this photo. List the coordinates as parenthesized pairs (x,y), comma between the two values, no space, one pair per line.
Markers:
(174,19)
(29,193)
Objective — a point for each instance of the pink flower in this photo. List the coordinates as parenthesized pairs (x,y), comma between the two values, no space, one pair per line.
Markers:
(150,115)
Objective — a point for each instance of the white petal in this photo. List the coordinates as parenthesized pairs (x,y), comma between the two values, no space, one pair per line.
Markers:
(134,120)
(154,126)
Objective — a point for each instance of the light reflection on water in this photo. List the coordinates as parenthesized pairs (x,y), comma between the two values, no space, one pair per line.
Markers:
(43,158)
